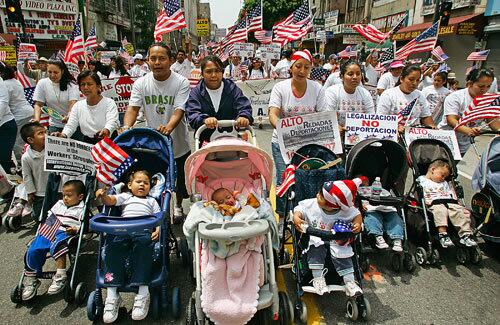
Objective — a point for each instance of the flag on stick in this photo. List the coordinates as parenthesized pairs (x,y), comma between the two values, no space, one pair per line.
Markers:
(170,18)
(405,113)
(478,56)
(111,161)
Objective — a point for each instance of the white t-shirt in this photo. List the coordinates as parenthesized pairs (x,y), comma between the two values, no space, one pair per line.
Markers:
(328,66)
(232,72)
(114,74)
(333,79)
(69,216)
(393,100)
(337,99)
(282,97)
(387,81)
(159,99)
(372,75)
(138,70)
(317,218)
(426,82)
(184,68)
(257,74)
(133,206)
(92,119)
(50,93)
(282,68)
(435,191)
(435,97)
(494,86)
(215,96)
(18,104)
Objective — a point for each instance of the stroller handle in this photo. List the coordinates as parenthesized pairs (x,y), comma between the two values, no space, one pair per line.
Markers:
(125,226)
(233,231)
(223,124)
(328,235)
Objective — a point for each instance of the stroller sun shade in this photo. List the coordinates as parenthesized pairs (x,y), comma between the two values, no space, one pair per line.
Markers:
(424,151)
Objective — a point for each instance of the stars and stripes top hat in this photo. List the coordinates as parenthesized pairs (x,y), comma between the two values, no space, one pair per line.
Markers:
(304,54)
(341,194)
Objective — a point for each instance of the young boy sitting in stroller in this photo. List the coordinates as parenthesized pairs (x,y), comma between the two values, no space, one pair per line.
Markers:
(63,221)
(333,208)
(441,200)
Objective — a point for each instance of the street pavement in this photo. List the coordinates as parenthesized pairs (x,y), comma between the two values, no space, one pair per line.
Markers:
(449,293)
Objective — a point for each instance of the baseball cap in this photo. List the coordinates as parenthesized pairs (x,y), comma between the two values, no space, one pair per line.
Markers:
(138,56)
(43,59)
(452,75)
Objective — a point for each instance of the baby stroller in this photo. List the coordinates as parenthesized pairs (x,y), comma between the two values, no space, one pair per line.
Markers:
(151,151)
(486,202)
(385,159)
(421,228)
(75,290)
(316,165)
(238,165)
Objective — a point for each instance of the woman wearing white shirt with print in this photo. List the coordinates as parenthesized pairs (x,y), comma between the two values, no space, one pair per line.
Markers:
(435,95)
(58,92)
(97,116)
(396,99)
(256,70)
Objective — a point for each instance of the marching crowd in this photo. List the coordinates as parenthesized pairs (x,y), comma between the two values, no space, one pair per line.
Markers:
(162,93)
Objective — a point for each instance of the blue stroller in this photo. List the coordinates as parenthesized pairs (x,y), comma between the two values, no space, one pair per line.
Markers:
(152,152)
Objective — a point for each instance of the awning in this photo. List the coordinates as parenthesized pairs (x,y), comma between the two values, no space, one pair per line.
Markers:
(462,25)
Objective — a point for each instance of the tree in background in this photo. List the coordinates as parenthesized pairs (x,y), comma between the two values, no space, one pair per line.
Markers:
(274,10)
(145,20)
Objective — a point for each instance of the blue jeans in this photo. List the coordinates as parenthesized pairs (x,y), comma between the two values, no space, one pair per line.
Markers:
(280,165)
(376,222)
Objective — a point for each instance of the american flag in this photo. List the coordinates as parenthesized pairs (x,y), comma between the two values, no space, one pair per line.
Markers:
(171,18)
(319,74)
(49,228)
(349,52)
(75,46)
(478,56)
(3,55)
(91,42)
(238,34)
(370,33)
(226,52)
(399,25)
(295,26)
(264,36)
(439,54)
(288,179)
(486,106)
(254,19)
(387,56)
(470,69)
(405,113)
(111,161)
(422,43)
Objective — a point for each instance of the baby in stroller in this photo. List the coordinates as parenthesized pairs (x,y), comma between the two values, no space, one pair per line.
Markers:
(442,202)
(332,209)
(138,247)
(229,203)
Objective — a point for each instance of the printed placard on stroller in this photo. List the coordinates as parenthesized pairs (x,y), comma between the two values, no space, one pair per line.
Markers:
(153,152)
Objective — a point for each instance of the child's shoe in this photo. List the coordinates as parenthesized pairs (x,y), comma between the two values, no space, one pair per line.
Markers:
(319,285)
(397,245)
(27,210)
(58,283)
(468,241)
(16,209)
(30,288)
(445,240)
(352,289)
(111,308)
(380,242)
(141,307)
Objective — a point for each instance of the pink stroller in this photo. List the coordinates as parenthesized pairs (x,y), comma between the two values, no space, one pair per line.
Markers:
(229,161)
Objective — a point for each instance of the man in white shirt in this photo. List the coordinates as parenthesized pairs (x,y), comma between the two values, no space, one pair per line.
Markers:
(332,63)
(140,68)
(182,66)
(282,68)
(163,94)
(390,78)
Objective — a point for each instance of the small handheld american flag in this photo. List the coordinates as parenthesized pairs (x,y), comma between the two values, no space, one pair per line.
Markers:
(49,228)
(288,178)
(111,161)
(405,113)
(319,74)
(341,226)
(486,106)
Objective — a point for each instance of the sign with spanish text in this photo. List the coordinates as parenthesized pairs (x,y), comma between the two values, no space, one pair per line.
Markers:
(360,126)
(447,136)
(68,156)
(202,27)
(297,131)
(8,55)
(243,49)
(27,51)
(270,51)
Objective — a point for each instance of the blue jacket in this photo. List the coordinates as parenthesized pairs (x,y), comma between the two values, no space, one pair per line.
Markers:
(233,104)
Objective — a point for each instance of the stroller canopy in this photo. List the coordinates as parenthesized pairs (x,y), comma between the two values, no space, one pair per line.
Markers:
(375,157)
(424,151)
(488,170)
(151,150)
(227,158)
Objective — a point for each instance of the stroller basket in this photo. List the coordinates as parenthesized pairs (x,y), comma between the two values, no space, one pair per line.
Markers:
(233,231)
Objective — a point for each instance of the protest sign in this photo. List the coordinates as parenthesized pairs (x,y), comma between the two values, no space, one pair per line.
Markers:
(27,51)
(360,126)
(269,51)
(68,156)
(446,136)
(259,93)
(105,56)
(243,49)
(297,131)
(8,55)
(118,89)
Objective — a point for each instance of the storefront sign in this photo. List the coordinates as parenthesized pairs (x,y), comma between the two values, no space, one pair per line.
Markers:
(429,6)
(202,27)
(269,51)
(464,28)
(118,89)
(361,126)
(386,23)
(297,131)
(259,93)
(243,50)
(352,39)
(68,156)
(446,136)
(331,19)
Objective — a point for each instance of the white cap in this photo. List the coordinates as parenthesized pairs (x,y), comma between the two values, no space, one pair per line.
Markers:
(138,56)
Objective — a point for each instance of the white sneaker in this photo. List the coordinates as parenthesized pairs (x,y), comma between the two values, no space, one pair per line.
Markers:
(468,241)
(141,307)
(397,245)
(352,289)
(111,308)
(178,212)
(30,288)
(380,242)
(27,210)
(58,283)
(16,209)
(319,285)
(445,240)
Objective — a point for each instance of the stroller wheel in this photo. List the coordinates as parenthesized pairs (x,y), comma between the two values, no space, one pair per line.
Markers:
(93,313)
(420,256)
(475,255)
(352,309)
(15,223)
(396,261)
(301,311)
(80,293)
(367,309)
(462,255)
(435,256)
(285,309)
(191,312)
(183,248)
(15,295)
(176,303)
(5,222)
(409,262)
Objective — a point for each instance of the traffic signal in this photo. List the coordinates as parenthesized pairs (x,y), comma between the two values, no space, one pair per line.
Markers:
(445,12)
(14,12)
